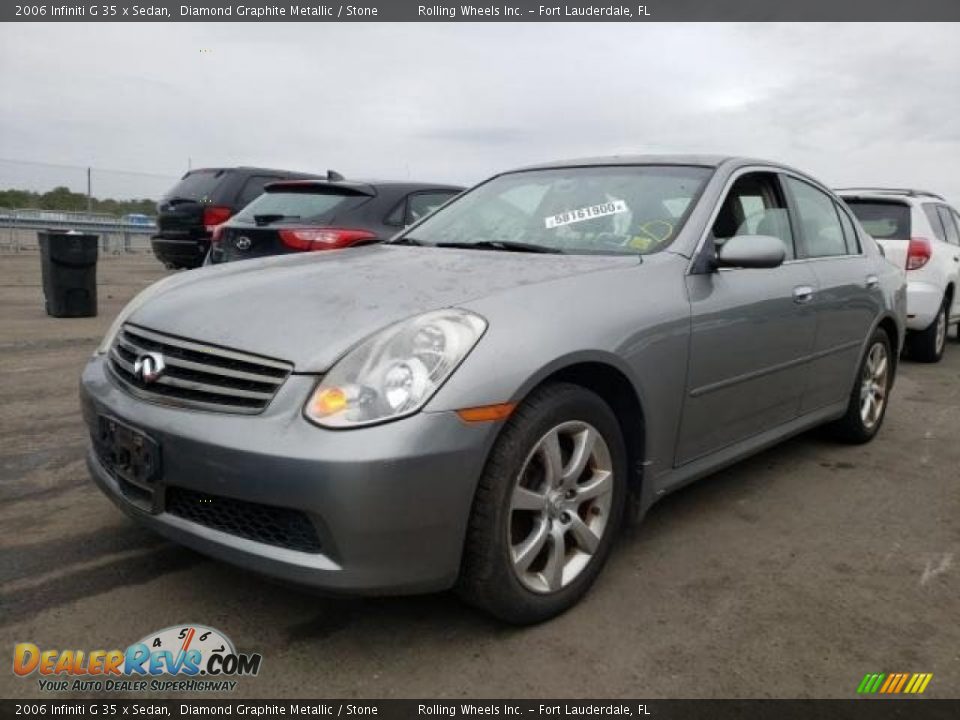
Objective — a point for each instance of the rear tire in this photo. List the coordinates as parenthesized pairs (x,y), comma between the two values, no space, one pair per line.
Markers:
(868,400)
(928,345)
(542,524)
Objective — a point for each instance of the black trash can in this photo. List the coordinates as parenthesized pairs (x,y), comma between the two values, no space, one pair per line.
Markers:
(69,267)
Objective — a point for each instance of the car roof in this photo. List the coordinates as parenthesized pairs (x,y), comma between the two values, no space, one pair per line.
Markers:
(253,170)
(352,183)
(703,160)
(324,178)
(709,161)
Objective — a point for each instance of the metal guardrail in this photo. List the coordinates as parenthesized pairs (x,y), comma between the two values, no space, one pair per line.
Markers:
(58,218)
(117,234)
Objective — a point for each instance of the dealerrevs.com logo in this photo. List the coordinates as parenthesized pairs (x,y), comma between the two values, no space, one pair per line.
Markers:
(181,658)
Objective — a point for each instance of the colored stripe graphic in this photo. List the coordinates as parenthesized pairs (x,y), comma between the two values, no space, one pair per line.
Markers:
(891,679)
(901,683)
(894,683)
(870,683)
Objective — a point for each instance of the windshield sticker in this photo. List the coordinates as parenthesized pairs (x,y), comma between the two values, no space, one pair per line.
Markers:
(613,207)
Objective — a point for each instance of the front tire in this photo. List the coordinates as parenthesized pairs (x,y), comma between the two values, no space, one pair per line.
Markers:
(547,507)
(928,345)
(868,399)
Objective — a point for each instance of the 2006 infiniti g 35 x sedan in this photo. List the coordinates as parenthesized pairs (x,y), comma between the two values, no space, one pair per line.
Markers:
(477,403)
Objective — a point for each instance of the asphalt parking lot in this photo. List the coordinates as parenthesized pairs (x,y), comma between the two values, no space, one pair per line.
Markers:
(789,575)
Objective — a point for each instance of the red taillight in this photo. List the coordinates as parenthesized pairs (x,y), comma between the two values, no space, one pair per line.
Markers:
(322,238)
(214,215)
(918,253)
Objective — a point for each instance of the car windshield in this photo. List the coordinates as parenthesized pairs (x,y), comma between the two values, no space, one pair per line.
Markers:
(295,205)
(605,209)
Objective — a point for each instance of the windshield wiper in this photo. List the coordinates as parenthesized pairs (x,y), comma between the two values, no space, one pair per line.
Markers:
(267,218)
(508,245)
(404,241)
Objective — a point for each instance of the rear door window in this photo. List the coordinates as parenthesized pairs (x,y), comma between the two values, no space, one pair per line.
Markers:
(882,219)
(417,205)
(933,217)
(197,185)
(949,226)
(819,222)
(422,204)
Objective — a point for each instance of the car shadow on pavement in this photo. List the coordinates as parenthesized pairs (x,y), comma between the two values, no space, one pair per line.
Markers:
(47,575)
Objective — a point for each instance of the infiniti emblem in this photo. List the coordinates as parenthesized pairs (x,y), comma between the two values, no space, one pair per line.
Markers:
(149,367)
(242,243)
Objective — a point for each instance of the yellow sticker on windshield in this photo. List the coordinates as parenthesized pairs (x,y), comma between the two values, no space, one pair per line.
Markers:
(659,230)
(587,213)
(640,242)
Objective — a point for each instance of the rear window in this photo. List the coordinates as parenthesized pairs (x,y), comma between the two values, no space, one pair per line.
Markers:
(197,185)
(881,218)
(298,205)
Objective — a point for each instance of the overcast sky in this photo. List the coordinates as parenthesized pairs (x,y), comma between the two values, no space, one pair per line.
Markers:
(849,103)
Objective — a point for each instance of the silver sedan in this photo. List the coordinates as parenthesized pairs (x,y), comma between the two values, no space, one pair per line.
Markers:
(480,402)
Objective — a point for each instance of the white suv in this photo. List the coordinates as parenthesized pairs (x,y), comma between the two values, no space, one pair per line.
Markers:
(919,232)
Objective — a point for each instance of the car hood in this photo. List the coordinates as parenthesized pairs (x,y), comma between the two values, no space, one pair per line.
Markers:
(310,308)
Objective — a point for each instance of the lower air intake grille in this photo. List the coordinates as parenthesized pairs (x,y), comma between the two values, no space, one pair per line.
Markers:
(267,524)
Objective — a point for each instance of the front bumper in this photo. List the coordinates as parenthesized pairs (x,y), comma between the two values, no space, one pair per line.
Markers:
(923,303)
(389,503)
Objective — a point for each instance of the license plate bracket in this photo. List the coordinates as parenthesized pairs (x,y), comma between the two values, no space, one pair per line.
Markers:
(127,453)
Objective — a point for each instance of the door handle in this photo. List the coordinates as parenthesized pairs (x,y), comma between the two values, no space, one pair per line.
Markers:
(802,294)
(872,281)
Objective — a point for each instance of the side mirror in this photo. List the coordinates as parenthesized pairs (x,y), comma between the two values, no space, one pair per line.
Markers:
(751,251)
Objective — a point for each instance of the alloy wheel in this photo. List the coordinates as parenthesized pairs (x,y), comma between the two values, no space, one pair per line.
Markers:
(560,506)
(873,385)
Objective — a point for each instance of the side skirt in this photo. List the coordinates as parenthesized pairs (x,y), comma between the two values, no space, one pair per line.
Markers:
(720,459)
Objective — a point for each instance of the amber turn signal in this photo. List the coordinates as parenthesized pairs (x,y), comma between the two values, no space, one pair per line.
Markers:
(328,401)
(486,413)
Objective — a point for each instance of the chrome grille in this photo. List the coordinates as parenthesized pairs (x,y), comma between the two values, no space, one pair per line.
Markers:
(197,375)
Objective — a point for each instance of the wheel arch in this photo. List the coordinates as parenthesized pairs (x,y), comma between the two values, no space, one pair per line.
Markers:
(607,377)
(890,327)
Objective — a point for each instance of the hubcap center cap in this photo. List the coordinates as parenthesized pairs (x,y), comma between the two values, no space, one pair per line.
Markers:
(555,502)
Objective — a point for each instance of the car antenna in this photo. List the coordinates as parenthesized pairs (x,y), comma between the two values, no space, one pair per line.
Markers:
(334,176)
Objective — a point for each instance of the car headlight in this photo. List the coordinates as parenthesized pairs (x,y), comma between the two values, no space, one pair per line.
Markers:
(132,306)
(395,372)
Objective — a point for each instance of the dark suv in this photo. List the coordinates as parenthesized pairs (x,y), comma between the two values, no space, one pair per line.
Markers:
(203,199)
(324,214)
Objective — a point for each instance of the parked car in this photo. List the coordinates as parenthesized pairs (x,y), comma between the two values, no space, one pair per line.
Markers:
(201,200)
(919,232)
(304,215)
(477,402)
